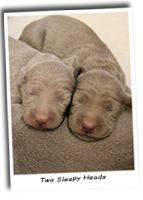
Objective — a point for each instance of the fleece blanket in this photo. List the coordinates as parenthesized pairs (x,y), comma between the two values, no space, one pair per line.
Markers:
(59,151)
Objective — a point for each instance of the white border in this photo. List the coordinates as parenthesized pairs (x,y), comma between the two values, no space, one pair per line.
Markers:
(65,12)
(114,178)
(8,96)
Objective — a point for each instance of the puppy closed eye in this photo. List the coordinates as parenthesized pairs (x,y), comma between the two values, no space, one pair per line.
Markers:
(81,99)
(63,96)
(108,106)
(30,93)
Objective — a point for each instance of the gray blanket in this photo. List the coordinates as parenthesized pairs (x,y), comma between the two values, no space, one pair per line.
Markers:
(59,151)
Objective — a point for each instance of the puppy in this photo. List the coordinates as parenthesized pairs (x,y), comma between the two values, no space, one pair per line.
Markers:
(99,97)
(42,83)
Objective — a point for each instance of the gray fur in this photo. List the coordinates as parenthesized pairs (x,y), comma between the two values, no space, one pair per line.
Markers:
(42,83)
(65,36)
(100,96)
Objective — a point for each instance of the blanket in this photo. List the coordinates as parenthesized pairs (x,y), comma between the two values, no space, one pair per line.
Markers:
(59,151)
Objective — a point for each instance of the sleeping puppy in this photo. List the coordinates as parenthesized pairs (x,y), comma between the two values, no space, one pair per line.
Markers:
(42,83)
(99,97)
(98,101)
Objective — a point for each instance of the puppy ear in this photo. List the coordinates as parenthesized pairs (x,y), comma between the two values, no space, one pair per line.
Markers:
(127,100)
(74,62)
(75,65)
(22,77)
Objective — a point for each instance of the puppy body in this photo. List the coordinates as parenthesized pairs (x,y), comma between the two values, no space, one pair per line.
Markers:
(99,96)
(65,37)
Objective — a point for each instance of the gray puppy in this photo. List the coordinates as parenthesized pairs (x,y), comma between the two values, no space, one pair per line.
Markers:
(99,97)
(43,84)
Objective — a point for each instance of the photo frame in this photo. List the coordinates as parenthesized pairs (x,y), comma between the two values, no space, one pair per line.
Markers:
(111,20)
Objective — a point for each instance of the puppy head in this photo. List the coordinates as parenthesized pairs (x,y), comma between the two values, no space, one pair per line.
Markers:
(46,89)
(97,103)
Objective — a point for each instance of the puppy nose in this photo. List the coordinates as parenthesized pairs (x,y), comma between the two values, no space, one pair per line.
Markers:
(88,128)
(41,119)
